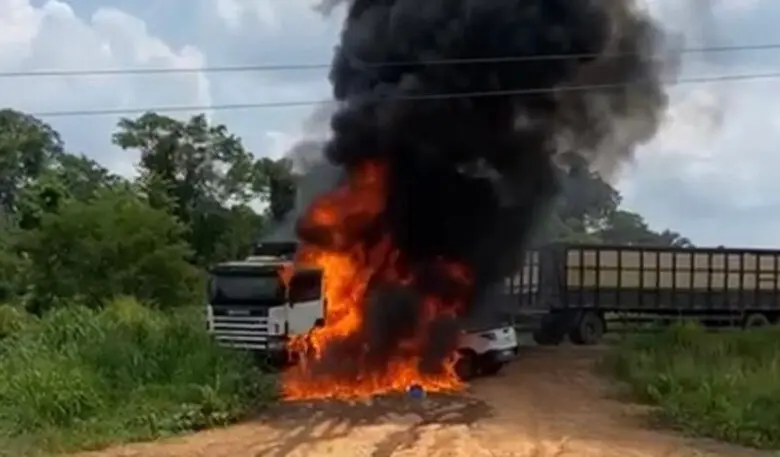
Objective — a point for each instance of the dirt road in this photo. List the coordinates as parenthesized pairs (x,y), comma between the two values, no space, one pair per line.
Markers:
(548,403)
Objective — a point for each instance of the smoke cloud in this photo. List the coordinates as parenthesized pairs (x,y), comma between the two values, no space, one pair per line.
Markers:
(470,176)
(313,175)
(600,103)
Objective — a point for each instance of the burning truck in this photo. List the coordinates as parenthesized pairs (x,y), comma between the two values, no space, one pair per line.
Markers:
(267,305)
(451,120)
(340,325)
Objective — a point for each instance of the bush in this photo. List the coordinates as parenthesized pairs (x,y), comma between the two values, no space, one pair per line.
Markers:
(114,244)
(721,385)
(79,378)
(12,320)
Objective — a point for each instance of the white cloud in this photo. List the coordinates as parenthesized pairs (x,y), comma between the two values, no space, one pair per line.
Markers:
(53,37)
(232,12)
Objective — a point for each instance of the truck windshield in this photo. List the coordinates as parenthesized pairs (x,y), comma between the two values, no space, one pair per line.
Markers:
(248,290)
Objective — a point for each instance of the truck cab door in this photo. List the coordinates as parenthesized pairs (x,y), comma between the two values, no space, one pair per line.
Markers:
(305,306)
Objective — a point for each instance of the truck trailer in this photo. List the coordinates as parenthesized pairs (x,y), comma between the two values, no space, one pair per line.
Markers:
(574,288)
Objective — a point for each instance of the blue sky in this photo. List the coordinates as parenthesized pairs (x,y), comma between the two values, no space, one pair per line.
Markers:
(711,173)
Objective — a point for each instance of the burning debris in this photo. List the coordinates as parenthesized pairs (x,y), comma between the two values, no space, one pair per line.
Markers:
(439,194)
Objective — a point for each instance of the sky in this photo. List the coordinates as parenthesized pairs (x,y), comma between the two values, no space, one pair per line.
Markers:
(710,172)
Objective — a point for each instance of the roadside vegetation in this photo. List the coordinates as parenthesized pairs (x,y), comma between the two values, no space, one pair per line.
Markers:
(78,378)
(102,337)
(722,385)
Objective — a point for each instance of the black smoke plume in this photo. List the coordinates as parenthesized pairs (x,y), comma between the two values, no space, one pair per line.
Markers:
(471,175)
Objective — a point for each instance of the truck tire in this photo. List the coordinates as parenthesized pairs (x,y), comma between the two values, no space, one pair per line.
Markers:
(466,366)
(589,329)
(756,320)
(552,329)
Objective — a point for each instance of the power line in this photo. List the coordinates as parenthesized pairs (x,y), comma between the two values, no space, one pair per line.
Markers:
(424,97)
(317,66)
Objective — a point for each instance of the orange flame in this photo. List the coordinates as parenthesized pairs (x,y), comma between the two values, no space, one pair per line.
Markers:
(347,271)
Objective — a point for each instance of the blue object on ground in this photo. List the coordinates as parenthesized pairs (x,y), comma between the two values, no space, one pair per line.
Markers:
(416,391)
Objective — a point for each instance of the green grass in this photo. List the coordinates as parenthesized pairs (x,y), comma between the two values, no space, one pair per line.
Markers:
(723,385)
(80,379)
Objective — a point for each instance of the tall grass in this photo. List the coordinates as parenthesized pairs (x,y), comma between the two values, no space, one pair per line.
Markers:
(78,378)
(721,385)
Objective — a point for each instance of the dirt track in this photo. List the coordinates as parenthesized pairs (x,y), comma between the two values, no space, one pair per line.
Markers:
(546,404)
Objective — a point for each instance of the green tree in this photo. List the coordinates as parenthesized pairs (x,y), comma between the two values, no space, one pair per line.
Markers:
(81,177)
(625,227)
(239,227)
(204,175)
(12,266)
(27,147)
(588,211)
(198,161)
(68,176)
(274,182)
(194,168)
(114,244)
(587,200)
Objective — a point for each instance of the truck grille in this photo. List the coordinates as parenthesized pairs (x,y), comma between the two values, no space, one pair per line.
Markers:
(240,327)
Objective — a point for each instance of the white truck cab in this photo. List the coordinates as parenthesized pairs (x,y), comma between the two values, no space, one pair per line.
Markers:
(251,308)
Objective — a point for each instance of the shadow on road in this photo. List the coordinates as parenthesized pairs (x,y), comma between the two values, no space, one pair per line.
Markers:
(303,424)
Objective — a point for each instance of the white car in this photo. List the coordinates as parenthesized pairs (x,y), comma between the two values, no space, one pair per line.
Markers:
(485,352)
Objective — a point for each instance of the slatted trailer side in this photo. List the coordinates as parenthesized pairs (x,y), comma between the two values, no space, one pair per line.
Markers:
(582,283)
(524,284)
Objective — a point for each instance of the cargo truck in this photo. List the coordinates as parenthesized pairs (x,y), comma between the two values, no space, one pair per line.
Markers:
(574,288)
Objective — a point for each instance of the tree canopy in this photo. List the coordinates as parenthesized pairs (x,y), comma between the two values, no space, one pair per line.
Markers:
(588,211)
(71,229)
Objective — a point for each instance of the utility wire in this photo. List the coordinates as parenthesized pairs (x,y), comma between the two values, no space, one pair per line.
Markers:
(423,97)
(315,66)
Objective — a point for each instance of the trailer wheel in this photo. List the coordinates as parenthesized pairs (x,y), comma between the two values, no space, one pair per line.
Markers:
(589,329)
(466,365)
(756,320)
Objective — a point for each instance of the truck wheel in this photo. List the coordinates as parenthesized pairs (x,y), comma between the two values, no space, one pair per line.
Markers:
(756,320)
(466,366)
(589,329)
